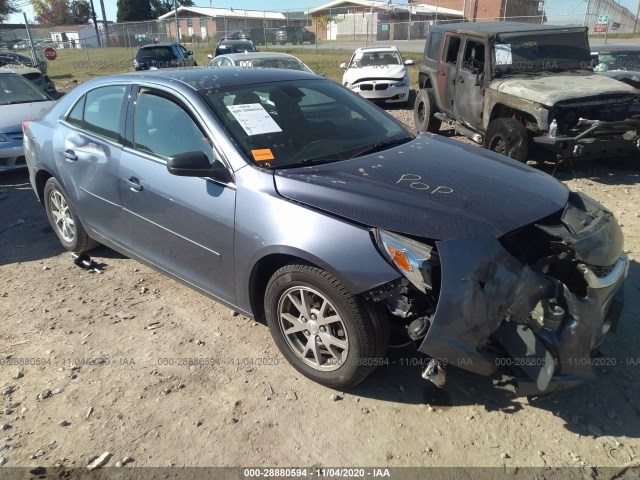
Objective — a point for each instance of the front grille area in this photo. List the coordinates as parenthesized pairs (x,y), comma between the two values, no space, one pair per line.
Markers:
(15,135)
(371,86)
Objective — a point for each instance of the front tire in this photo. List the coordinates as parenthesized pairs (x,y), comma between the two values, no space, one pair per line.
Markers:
(326,333)
(508,137)
(424,111)
(64,220)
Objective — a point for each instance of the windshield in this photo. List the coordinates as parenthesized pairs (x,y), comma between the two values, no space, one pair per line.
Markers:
(375,59)
(14,89)
(536,53)
(618,60)
(290,124)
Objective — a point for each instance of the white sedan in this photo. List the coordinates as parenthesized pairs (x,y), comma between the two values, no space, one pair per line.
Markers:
(378,74)
(20,101)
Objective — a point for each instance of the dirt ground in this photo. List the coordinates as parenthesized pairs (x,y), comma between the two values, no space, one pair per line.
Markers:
(132,363)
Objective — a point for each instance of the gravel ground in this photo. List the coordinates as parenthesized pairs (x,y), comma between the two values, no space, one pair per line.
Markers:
(93,363)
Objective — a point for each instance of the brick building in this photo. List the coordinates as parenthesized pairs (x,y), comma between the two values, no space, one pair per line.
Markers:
(531,11)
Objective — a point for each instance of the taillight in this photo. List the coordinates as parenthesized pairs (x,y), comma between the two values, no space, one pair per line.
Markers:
(25,124)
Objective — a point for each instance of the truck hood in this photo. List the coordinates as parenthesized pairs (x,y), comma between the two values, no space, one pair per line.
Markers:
(390,72)
(549,90)
(12,116)
(430,187)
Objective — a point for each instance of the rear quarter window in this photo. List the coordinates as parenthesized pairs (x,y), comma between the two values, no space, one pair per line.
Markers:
(434,46)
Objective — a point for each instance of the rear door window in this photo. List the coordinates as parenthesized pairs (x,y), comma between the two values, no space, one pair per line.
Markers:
(101,111)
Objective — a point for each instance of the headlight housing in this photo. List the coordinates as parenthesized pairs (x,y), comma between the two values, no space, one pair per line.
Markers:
(402,83)
(415,260)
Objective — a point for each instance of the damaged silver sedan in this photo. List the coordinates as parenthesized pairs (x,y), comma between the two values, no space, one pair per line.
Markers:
(286,197)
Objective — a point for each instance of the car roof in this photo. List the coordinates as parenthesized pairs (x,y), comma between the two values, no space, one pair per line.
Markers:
(246,55)
(202,78)
(492,29)
(243,41)
(20,70)
(163,44)
(610,47)
(383,48)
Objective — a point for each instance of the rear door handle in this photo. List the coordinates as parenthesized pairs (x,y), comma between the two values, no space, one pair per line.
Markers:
(70,155)
(134,184)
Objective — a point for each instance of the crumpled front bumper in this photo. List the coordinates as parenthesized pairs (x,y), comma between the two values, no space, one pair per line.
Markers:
(603,139)
(498,316)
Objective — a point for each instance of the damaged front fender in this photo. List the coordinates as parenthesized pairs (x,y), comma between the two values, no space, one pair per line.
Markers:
(534,305)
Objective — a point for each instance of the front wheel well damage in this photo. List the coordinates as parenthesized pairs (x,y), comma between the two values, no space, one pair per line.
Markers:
(503,111)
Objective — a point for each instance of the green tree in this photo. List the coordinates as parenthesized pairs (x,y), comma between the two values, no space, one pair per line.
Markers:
(6,9)
(134,10)
(54,13)
(160,7)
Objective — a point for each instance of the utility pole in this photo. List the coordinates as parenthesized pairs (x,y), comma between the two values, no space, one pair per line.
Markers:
(34,59)
(635,24)
(107,41)
(586,13)
(95,23)
(175,3)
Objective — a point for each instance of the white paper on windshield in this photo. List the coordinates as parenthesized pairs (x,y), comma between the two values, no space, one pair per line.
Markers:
(254,119)
(503,54)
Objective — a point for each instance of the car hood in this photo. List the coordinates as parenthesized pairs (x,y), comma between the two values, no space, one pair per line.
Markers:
(12,116)
(394,72)
(430,187)
(549,90)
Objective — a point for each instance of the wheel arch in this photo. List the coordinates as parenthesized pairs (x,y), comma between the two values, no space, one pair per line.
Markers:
(41,178)
(501,110)
(424,81)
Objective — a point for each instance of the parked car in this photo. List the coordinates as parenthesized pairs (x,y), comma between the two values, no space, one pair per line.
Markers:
(260,60)
(234,46)
(262,36)
(21,45)
(20,101)
(621,62)
(378,74)
(236,35)
(11,58)
(35,76)
(286,197)
(512,87)
(294,35)
(163,55)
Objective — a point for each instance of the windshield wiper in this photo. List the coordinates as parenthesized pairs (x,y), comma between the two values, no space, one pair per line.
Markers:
(377,147)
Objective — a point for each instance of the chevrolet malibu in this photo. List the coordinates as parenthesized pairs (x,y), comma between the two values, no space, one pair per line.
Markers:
(285,197)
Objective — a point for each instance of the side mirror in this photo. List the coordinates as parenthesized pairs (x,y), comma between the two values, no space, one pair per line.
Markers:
(343,66)
(189,52)
(196,164)
(409,62)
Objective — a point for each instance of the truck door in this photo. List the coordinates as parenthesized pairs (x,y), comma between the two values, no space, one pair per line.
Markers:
(447,70)
(469,82)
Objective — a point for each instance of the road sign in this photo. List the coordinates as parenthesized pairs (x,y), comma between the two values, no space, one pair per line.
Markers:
(600,28)
(615,26)
(603,19)
(50,53)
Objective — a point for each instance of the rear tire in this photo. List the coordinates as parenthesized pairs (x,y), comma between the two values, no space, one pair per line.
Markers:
(424,111)
(509,137)
(64,220)
(326,333)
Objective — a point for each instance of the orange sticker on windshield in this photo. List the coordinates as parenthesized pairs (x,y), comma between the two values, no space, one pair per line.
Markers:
(262,155)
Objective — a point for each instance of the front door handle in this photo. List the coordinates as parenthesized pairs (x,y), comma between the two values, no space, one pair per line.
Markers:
(134,184)
(70,155)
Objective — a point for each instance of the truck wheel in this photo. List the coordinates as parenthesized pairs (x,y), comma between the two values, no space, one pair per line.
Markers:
(508,137)
(424,110)
(325,332)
